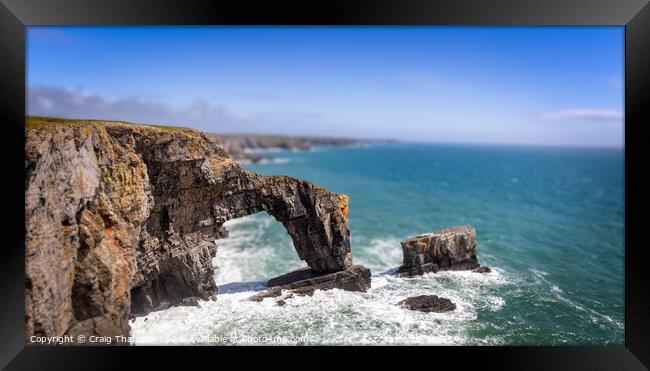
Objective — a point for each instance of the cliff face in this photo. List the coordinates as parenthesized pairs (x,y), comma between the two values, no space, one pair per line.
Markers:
(122,217)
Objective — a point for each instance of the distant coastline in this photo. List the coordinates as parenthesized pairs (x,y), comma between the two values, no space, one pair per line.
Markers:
(248,147)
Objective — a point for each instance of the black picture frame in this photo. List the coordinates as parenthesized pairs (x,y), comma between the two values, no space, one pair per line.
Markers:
(15,15)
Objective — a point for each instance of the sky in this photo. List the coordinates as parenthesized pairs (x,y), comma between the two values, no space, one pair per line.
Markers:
(502,85)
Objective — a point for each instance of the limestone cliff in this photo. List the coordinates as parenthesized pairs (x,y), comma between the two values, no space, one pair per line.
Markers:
(121,217)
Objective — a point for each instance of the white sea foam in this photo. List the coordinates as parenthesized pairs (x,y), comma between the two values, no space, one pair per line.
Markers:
(263,161)
(242,256)
(275,160)
(333,316)
(263,150)
(328,317)
(378,254)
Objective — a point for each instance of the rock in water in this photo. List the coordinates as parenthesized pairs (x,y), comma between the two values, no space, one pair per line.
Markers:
(293,276)
(355,278)
(428,303)
(417,270)
(121,217)
(482,270)
(448,249)
(190,302)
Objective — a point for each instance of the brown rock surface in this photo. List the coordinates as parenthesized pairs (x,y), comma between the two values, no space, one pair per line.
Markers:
(305,282)
(190,302)
(448,249)
(428,303)
(122,217)
(293,276)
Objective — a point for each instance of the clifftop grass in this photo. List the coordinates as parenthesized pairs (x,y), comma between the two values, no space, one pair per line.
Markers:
(193,139)
(44,122)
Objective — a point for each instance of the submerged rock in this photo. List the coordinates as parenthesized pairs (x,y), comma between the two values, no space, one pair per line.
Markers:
(482,270)
(428,303)
(121,217)
(190,302)
(271,293)
(448,249)
(355,278)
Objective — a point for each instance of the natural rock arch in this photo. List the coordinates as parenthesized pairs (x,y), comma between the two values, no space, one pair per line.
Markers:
(121,217)
(194,197)
(315,218)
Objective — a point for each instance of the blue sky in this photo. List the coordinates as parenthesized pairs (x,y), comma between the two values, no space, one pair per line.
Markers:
(518,85)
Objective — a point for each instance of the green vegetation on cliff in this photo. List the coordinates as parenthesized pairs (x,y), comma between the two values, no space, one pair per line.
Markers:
(39,122)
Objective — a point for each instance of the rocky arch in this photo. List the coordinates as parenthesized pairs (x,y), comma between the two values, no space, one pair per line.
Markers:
(192,200)
(315,218)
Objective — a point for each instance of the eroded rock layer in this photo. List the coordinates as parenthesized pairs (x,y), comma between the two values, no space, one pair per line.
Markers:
(122,217)
(306,281)
(448,249)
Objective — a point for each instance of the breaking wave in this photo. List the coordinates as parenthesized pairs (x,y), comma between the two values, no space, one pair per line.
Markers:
(329,317)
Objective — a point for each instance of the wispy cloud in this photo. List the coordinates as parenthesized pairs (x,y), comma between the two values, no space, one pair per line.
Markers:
(584,114)
(81,104)
(77,103)
(432,82)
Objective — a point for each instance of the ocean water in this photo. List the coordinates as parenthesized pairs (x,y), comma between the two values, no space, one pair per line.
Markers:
(549,223)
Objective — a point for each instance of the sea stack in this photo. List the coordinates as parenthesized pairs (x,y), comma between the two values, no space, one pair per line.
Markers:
(451,248)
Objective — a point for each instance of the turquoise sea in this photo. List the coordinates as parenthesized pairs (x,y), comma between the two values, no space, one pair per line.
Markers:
(549,222)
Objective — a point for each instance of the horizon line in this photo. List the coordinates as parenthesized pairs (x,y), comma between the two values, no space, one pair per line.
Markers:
(393,140)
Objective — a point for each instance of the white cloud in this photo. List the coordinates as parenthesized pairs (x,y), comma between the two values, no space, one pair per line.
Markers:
(46,105)
(78,103)
(584,114)
(200,114)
